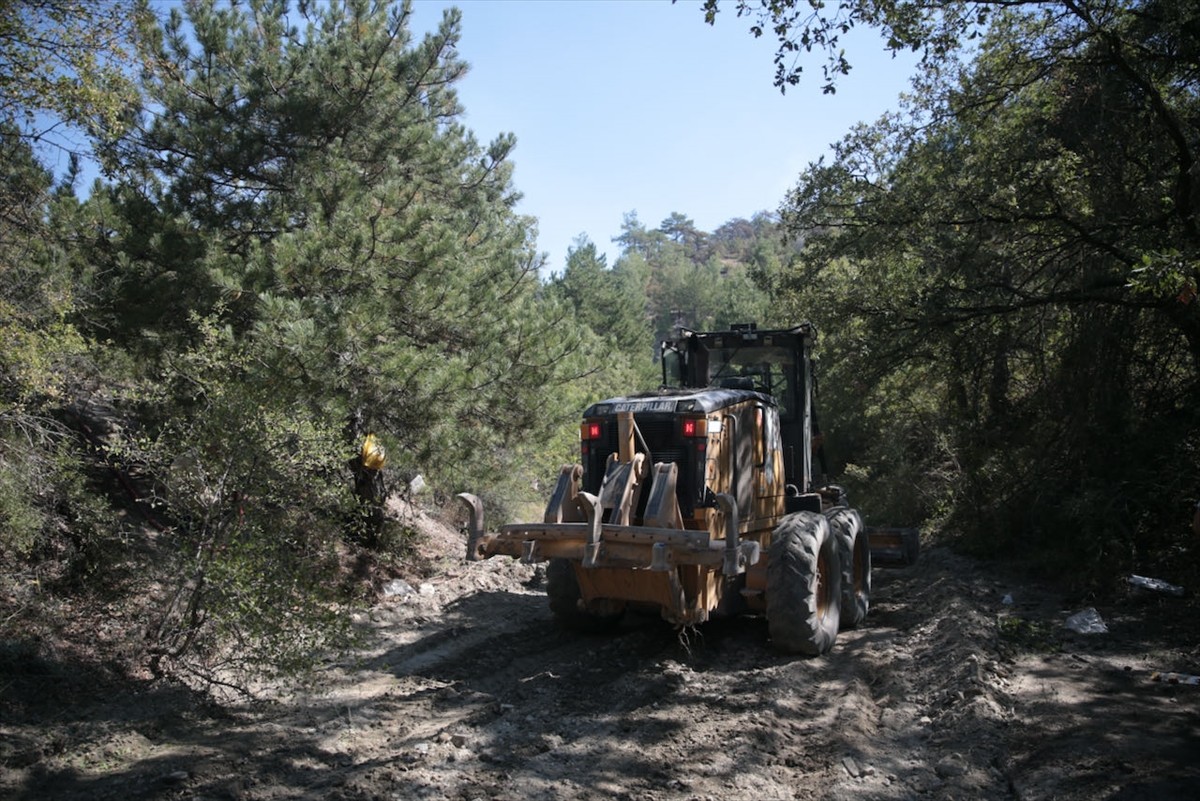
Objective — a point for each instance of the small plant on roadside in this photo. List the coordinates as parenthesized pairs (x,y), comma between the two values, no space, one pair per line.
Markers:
(1027,636)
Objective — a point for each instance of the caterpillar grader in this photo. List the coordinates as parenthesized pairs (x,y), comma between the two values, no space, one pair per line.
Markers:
(697,500)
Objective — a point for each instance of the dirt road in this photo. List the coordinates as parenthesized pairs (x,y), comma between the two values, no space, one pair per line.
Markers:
(471,692)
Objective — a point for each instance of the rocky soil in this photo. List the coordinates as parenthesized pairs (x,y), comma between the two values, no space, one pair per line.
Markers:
(965,683)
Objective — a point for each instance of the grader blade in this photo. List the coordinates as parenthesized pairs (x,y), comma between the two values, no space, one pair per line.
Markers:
(894,547)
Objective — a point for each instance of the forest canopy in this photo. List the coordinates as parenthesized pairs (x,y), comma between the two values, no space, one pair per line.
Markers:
(1011,261)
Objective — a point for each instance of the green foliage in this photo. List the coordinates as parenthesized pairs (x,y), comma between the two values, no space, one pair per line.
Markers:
(698,280)
(141,272)
(313,186)
(255,567)
(65,58)
(937,29)
(989,267)
(611,303)
(304,246)
(50,511)
(1020,635)
(46,505)
(21,520)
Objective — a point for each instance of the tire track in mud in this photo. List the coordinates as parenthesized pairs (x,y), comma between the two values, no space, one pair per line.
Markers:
(926,700)
(934,715)
(470,692)
(521,709)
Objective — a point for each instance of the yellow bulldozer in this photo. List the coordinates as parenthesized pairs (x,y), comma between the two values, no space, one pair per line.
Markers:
(698,500)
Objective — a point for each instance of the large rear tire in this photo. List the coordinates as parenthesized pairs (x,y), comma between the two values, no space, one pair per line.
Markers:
(855,553)
(566,602)
(804,585)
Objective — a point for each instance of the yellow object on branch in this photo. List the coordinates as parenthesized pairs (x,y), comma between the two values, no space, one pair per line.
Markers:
(374,457)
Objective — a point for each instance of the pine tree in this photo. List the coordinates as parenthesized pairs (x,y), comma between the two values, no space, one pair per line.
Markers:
(313,189)
(308,246)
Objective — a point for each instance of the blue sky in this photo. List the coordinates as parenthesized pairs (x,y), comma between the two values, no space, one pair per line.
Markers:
(638,106)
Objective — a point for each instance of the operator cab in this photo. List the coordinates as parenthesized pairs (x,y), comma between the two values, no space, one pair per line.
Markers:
(776,362)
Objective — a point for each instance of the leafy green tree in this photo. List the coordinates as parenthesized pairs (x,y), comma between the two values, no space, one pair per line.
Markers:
(62,70)
(304,245)
(681,230)
(37,345)
(610,302)
(315,186)
(635,238)
(1026,230)
(686,281)
(735,239)
(937,29)
(703,297)
(66,59)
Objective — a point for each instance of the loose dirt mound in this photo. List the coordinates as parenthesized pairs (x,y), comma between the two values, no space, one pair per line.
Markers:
(471,692)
